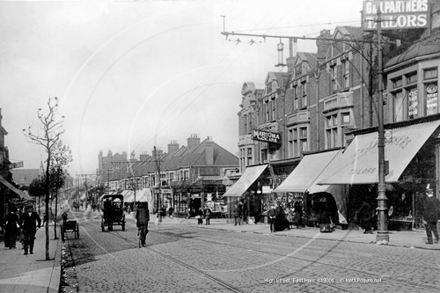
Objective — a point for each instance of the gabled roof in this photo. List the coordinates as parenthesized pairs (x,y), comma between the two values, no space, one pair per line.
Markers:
(352,32)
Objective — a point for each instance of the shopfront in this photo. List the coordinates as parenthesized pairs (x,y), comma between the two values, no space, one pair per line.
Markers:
(412,162)
(242,190)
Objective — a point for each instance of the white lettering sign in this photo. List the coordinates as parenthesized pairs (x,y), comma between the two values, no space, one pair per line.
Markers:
(396,14)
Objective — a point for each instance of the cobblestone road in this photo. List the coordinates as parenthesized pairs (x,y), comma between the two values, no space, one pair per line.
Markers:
(183,258)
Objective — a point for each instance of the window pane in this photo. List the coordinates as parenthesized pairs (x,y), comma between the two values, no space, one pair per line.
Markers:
(345,118)
(397,110)
(411,77)
(412,103)
(430,73)
(431,92)
(397,82)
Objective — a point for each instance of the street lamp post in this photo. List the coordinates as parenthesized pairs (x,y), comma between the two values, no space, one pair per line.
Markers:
(382,236)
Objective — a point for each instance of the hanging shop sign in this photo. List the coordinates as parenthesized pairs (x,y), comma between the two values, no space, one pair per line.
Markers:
(396,14)
(266,136)
(16,165)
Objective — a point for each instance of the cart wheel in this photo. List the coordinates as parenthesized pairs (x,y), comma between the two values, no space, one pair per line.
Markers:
(123,223)
(62,233)
(77,231)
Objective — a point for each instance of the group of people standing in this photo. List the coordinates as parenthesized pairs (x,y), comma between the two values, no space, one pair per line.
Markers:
(280,219)
(204,214)
(28,223)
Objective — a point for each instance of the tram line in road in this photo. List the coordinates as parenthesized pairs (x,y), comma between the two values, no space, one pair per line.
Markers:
(257,249)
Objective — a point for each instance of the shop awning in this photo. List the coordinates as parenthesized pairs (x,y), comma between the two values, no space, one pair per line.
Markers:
(144,195)
(358,164)
(246,180)
(306,173)
(14,189)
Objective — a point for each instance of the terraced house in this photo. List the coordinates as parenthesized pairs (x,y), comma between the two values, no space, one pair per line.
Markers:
(185,177)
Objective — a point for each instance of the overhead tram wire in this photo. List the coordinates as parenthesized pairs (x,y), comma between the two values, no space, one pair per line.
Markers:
(198,96)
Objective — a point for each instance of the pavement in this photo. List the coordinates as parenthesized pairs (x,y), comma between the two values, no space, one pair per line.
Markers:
(33,274)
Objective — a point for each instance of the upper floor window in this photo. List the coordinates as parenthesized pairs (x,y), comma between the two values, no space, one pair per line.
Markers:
(274,110)
(346,71)
(334,76)
(304,95)
(295,98)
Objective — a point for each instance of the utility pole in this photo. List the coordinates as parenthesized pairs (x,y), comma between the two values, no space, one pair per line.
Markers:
(85,183)
(109,171)
(382,235)
(158,161)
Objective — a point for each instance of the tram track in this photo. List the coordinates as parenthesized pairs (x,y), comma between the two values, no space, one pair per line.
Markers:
(283,273)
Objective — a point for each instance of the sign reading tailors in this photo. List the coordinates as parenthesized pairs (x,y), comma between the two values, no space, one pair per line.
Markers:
(266,136)
(396,14)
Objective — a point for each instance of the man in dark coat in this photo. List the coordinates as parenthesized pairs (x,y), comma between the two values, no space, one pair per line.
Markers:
(430,215)
(30,223)
(142,219)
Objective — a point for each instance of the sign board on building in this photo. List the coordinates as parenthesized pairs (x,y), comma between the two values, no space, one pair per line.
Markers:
(266,136)
(396,14)
(16,165)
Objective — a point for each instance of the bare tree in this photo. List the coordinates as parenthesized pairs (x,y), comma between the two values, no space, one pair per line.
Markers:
(60,158)
(50,132)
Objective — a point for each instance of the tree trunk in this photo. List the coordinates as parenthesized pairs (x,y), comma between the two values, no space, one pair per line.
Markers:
(56,213)
(47,207)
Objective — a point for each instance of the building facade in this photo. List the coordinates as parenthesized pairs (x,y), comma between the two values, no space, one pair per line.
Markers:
(328,99)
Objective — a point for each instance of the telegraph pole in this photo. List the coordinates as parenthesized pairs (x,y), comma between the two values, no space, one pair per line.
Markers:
(158,161)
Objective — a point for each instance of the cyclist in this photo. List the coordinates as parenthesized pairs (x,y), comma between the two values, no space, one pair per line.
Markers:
(142,218)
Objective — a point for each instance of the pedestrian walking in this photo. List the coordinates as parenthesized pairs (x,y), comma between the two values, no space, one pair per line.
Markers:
(271,215)
(142,219)
(11,226)
(431,213)
(365,216)
(30,223)
(199,216)
(207,214)
(298,214)
(237,215)
(170,212)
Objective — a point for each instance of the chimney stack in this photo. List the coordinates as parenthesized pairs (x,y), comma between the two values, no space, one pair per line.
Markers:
(193,141)
(209,151)
(173,147)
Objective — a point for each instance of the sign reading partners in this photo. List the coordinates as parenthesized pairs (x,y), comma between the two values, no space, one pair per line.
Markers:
(266,136)
(396,14)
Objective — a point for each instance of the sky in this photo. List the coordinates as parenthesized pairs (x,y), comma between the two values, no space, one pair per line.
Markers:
(132,75)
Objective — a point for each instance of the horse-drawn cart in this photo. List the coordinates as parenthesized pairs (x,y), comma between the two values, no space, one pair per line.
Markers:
(112,211)
(70,226)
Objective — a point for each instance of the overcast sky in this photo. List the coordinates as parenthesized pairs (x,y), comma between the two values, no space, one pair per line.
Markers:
(132,75)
